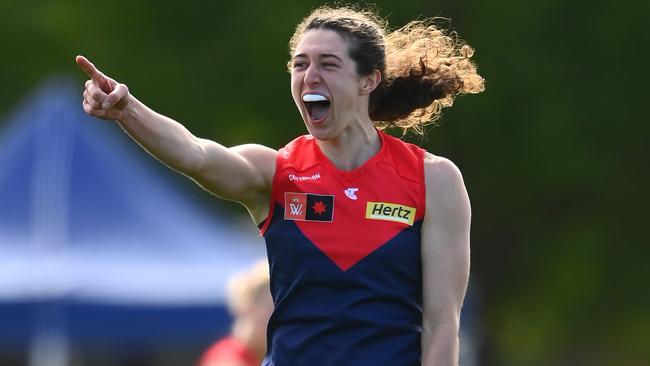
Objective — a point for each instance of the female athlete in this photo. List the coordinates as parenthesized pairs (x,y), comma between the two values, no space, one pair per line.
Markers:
(367,236)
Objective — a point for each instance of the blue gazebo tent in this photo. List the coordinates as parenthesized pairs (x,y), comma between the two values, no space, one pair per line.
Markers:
(98,228)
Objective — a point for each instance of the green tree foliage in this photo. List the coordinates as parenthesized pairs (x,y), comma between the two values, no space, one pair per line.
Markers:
(554,153)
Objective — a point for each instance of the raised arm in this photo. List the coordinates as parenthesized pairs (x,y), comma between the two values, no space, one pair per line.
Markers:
(445,261)
(242,173)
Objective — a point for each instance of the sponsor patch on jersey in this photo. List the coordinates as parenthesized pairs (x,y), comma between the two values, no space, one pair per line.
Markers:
(308,207)
(390,212)
(297,178)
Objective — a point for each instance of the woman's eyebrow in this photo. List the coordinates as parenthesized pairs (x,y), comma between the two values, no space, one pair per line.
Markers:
(325,55)
(328,55)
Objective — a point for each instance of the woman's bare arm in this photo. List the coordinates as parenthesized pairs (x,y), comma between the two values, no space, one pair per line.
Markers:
(242,173)
(445,261)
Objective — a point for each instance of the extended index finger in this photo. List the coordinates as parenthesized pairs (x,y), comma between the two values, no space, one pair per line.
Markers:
(94,74)
(89,68)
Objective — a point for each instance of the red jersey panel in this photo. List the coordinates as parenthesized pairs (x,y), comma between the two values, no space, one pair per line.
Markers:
(368,205)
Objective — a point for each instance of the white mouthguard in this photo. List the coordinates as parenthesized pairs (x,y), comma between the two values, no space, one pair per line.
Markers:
(313,98)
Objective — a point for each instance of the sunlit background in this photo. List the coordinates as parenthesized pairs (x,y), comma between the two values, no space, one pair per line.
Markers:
(108,258)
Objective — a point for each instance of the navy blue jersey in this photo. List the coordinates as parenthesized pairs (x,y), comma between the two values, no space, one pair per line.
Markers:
(344,255)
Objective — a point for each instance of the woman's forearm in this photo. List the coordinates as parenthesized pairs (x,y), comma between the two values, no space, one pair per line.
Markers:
(165,139)
(440,345)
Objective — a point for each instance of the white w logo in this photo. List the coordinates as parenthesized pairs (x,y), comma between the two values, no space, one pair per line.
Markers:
(295,209)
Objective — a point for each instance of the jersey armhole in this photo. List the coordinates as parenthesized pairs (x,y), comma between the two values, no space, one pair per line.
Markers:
(423,179)
(269,216)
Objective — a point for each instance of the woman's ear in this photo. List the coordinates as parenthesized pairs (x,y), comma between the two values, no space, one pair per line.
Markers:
(370,82)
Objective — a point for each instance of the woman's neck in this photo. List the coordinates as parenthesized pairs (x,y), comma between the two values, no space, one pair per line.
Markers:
(353,147)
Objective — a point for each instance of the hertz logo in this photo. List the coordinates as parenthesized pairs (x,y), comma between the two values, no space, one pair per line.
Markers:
(390,212)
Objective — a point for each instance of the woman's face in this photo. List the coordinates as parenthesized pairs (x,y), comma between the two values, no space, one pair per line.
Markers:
(324,83)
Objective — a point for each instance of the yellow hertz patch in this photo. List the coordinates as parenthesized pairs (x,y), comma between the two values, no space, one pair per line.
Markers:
(390,212)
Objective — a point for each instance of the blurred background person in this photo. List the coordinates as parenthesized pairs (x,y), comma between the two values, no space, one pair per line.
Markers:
(251,305)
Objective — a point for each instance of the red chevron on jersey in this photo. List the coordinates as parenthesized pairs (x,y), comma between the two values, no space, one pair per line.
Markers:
(359,241)
(388,197)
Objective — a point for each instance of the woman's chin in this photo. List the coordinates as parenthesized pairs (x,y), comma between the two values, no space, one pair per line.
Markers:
(319,132)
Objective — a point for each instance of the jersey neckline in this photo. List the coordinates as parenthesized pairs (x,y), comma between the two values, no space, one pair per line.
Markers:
(356,173)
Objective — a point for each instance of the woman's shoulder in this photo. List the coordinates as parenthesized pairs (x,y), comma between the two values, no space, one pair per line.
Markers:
(299,154)
(445,187)
(439,164)
(299,142)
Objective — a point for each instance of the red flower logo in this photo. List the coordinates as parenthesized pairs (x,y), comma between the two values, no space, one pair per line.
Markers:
(319,208)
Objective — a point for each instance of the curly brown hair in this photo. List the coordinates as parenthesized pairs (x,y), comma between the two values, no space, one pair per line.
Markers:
(423,67)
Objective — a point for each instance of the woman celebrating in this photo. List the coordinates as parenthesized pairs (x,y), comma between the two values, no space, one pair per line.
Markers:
(367,236)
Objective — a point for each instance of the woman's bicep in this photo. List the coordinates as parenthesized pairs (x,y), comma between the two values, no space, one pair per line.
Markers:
(445,242)
(242,173)
(445,261)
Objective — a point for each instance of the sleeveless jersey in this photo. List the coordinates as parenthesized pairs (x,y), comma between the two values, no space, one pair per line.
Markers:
(344,255)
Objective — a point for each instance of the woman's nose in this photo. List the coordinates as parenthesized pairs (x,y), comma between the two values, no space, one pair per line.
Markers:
(312,75)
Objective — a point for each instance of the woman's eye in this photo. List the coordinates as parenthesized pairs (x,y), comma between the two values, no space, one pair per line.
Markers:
(298,65)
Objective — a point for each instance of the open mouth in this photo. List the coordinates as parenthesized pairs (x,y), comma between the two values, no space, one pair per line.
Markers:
(317,106)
